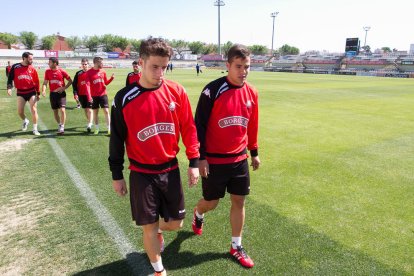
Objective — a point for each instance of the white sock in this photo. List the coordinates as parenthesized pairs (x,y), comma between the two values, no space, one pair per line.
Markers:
(62,125)
(235,241)
(158,267)
(34,126)
(26,120)
(109,128)
(198,215)
(89,124)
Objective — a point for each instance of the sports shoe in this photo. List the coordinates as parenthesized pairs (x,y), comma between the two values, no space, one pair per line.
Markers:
(78,106)
(109,133)
(197,224)
(160,238)
(36,133)
(162,273)
(96,131)
(240,254)
(88,129)
(61,130)
(25,124)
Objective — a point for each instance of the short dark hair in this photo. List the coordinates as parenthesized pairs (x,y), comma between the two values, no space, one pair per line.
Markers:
(96,59)
(85,60)
(135,62)
(238,51)
(155,47)
(26,54)
(54,60)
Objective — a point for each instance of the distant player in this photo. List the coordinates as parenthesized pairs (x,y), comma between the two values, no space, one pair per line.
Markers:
(227,126)
(133,76)
(197,69)
(25,79)
(8,68)
(82,93)
(55,77)
(97,82)
(148,119)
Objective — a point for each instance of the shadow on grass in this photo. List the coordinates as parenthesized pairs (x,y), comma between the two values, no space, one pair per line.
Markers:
(51,133)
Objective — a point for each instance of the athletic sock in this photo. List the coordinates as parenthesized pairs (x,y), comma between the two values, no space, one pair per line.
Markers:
(158,267)
(235,241)
(34,126)
(198,215)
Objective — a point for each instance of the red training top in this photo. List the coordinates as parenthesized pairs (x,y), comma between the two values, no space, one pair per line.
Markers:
(132,77)
(149,122)
(56,78)
(81,85)
(25,79)
(98,81)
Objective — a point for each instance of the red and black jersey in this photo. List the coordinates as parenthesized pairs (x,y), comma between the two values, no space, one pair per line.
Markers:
(25,78)
(149,122)
(80,84)
(98,81)
(56,78)
(227,121)
(8,68)
(132,77)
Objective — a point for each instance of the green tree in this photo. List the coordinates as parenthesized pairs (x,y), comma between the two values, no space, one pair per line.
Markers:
(386,49)
(121,42)
(8,39)
(258,49)
(73,42)
(288,50)
(91,42)
(28,39)
(135,44)
(226,47)
(48,42)
(196,47)
(179,45)
(108,41)
(209,49)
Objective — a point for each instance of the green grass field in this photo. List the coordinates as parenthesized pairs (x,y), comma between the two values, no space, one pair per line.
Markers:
(334,194)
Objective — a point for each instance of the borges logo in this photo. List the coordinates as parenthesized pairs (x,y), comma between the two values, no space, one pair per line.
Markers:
(233,121)
(148,132)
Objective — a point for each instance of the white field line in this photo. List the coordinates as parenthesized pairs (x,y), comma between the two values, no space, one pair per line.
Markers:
(136,260)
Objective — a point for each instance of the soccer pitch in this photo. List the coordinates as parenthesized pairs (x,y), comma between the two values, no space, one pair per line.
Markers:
(334,194)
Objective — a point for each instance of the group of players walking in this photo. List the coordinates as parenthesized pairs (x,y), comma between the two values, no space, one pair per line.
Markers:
(148,117)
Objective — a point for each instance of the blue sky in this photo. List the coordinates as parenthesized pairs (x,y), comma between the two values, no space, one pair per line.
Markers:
(307,25)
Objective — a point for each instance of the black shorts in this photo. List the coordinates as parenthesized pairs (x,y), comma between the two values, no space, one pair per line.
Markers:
(100,101)
(26,96)
(83,99)
(235,177)
(57,100)
(155,195)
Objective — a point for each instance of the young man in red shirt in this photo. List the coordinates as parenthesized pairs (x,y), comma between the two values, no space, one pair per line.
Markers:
(147,119)
(82,93)
(228,107)
(55,77)
(25,79)
(8,68)
(133,76)
(97,82)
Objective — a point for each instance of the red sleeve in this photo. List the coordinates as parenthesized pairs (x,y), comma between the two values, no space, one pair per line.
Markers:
(253,126)
(187,128)
(36,81)
(65,74)
(106,79)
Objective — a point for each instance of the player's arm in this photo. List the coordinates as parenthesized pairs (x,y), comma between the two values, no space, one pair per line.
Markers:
(36,81)
(108,81)
(252,135)
(127,80)
(10,81)
(44,86)
(75,86)
(117,142)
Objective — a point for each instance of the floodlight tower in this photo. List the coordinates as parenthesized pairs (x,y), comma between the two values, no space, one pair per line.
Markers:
(273,14)
(366,29)
(219,4)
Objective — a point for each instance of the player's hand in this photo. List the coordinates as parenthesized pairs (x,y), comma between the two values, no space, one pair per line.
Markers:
(255,162)
(43,94)
(113,75)
(193,175)
(203,168)
(76,98)
(60,90)
(37,97)
(9,91)
(120,187)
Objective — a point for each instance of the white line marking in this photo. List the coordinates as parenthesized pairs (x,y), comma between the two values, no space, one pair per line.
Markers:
(135,259)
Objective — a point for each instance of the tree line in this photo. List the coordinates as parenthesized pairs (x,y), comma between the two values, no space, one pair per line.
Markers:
(108,42)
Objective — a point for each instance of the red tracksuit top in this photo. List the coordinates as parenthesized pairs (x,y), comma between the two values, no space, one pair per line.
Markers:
(149,122)
(132,77)
(56,78)
(227,120)
(98,82)
(80,85)
(25,78)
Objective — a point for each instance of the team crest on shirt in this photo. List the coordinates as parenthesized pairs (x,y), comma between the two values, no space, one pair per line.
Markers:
(171,107)
(206,92)
(249,104)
